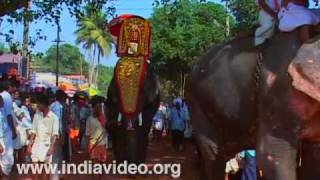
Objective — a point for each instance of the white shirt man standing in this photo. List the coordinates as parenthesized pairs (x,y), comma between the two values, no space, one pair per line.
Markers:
(45,131)
(9,131)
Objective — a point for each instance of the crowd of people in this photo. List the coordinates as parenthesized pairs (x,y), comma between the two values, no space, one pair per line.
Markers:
(46,126)
(42,125)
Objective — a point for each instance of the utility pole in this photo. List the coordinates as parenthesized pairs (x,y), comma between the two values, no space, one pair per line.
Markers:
(25,45)
(58,53)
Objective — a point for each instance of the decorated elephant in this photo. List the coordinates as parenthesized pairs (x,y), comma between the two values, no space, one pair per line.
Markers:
(134,92)
(130,143)
(241,100)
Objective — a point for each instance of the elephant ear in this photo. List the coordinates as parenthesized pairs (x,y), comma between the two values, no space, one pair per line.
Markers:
(305,68)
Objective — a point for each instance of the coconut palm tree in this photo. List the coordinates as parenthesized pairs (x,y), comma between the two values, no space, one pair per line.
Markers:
(86,25)
(95,39)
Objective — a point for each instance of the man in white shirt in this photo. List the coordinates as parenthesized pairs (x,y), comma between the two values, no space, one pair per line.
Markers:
(45,131)
(9,131)
(6,154)
(8,105)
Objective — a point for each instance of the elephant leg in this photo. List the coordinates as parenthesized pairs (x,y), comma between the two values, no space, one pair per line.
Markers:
(131,147)
(310,155)
(143,131)
(277,158)
(118,143)
(143,140)
(212,161)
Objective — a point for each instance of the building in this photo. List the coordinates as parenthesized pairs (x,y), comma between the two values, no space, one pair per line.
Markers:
(76,79)
(10,64)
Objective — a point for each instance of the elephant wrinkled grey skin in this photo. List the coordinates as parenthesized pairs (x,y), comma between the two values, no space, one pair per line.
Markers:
(237,108)
(131,145)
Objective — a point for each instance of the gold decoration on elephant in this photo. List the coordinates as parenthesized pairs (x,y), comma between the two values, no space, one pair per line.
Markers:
(129,75)
(134,39)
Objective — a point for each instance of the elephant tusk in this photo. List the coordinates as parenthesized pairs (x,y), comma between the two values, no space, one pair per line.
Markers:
(140,119)
(119,117)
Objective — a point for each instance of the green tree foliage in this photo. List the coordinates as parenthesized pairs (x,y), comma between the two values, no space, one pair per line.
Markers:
(104,78)
(70,62)
(245,12)
(183,31)
(50,10)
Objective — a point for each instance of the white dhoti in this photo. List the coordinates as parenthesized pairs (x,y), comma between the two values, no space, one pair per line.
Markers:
(39,152)
(6,158)
(266,28)
(22,139)
(294,16)
(232,166)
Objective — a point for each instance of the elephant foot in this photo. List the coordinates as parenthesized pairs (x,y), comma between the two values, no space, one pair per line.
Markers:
(311,133)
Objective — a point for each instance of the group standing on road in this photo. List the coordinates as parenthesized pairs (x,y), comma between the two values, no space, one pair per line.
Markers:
(45,126)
